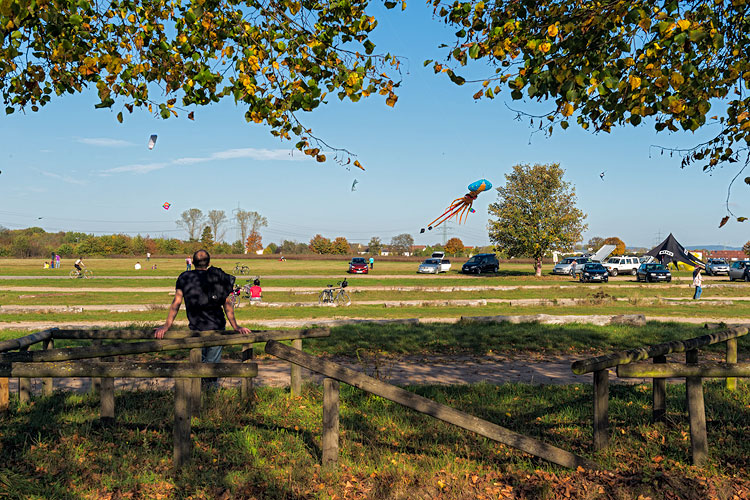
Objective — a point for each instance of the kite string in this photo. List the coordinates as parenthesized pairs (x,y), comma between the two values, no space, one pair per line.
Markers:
(729,188)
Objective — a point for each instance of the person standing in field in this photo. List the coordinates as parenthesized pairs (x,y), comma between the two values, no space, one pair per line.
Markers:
(206,292)
(148,256)
(697,283)
(188,264)
(372,262)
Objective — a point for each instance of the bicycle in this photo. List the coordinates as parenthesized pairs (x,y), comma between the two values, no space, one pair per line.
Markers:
(240,292)
(241,269)
(335,295)
(86,273)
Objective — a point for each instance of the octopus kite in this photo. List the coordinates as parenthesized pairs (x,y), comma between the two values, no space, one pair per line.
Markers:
(461,206)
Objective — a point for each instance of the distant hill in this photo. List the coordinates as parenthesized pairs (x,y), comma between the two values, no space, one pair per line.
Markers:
(711,247)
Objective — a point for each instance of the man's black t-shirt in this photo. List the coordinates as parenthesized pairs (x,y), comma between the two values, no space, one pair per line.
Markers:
(205,292)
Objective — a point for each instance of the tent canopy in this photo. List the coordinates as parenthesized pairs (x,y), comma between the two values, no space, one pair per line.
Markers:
(670,250)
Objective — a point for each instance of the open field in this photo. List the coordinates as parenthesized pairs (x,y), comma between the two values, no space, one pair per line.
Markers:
(273,450)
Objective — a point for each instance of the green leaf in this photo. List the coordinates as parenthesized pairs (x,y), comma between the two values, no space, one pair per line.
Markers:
(369,47)
(9,110)
(75,20)
(474,51)
(390,5)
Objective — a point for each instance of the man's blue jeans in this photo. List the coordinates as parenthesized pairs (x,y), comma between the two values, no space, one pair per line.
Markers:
(698,291)
(211,355)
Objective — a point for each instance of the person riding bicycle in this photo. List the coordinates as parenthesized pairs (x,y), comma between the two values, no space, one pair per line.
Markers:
(78,264)
(256,293)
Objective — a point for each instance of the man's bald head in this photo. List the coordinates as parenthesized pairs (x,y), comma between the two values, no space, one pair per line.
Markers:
(201,259)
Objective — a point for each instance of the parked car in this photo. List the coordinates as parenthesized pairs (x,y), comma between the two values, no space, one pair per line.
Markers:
(438,255)
(653,272)
(434,266)
(740,270)
(566,265)
(481,263)
(622,265)
(717,266)
(593,271)
(358,265)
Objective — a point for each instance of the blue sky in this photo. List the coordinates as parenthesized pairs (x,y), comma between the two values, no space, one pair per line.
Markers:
(79,169)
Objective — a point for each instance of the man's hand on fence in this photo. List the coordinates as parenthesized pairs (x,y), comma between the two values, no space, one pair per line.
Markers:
(159,332)
(243,330)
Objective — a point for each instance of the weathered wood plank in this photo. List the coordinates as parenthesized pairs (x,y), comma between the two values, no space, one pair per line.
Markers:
(96,383)
(295,376)
(182,442)
(659,412)
(107,410)
(696,413)
(601,409)
(678,370)
(121,369)
(732,359)
(330,421)
(4,393)
(175,333)
(611,360)
(15,344)
(429,407)
(121,349)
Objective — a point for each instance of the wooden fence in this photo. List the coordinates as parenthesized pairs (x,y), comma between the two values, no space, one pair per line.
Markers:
(336,373)
(49,363)
(626,364)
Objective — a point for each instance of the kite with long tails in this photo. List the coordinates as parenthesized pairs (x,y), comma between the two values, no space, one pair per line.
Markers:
(461,206)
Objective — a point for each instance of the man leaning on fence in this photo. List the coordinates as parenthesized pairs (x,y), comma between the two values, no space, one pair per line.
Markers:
(206,291)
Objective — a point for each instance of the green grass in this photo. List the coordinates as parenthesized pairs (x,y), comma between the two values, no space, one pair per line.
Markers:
(273,450)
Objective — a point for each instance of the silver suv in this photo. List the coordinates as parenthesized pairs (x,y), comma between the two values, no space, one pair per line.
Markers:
(566,266)
(717,266)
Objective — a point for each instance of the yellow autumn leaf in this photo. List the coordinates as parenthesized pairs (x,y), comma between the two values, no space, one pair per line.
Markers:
(567,109)
(391,100)
(544,47)
(635,82)
(676,79)
(683,24)
(552,31)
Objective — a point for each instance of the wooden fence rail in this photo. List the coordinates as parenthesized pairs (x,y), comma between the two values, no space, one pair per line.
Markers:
(423,405)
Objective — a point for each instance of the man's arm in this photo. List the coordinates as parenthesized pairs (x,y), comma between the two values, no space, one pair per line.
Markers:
(229,311)
(171,315)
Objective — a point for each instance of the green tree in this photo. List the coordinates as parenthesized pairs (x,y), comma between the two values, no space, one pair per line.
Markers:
(320,245)
(603,65)
(618,243)
(271,248)
(277,59)
(402,243)
(340,246)
(207,238)
(375,246)
(595,243)
(454,246)
(191,220)
(535,213)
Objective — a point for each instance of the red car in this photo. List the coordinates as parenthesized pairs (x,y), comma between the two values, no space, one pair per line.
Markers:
(358,265)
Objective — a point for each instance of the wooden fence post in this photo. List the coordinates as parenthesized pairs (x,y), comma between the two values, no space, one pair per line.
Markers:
(96,383)
(601,409)
(330,421)
(732,359)
(24,385)
(107,412)
(47,382)
(659,413)
(4,393)
(195,384)
(182,442)
(296,372)
(246,385)
(696,413)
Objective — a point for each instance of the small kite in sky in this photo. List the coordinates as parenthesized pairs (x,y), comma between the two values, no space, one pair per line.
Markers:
(354,184)
(166,205)
(152,141)
(601,176)
(460,206)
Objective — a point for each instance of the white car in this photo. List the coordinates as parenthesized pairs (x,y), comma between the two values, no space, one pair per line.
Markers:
(622,265)
(434,266)
(566,266)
